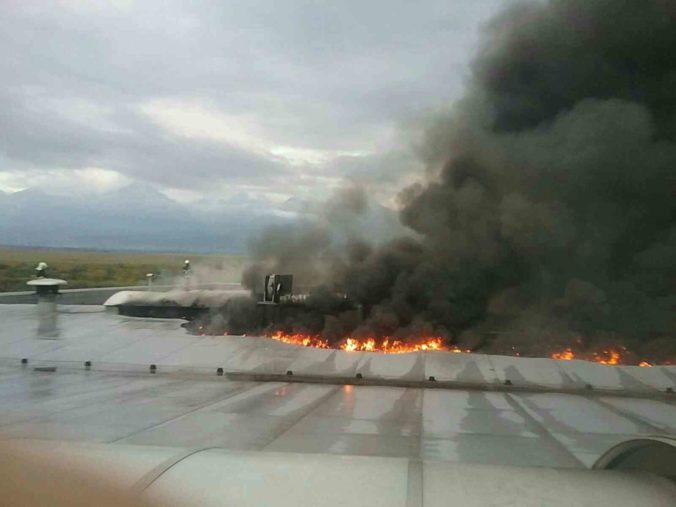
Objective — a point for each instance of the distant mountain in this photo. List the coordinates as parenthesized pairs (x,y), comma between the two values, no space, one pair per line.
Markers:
(134,217)
(138,194)
(240,201)
(140,217)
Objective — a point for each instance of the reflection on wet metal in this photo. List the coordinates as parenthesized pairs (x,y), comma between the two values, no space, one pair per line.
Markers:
(555,430)
(48,317)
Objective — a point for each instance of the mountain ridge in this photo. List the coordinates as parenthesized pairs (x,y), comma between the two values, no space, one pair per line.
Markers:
(140,217)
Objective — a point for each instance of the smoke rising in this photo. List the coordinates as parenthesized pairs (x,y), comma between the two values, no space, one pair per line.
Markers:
(316,251)
(550,212)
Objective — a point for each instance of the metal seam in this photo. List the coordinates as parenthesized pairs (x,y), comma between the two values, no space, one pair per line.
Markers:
(414,489)
(634,418)
(152,475)
(542,430)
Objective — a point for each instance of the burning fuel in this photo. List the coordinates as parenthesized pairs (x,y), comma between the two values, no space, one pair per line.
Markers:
(229,321)
(300,339)
(610,356)
(388,346)
(384,345)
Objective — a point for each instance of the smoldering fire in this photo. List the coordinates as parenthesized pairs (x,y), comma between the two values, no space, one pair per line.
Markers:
(549,211)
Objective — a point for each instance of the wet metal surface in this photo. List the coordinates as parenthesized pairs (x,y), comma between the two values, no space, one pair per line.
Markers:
(457,426)
(185,404)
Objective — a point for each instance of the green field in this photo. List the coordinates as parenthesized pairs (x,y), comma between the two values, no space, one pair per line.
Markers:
(111,269)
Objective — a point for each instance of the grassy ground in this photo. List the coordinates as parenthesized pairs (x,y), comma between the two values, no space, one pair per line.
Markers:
(111,269)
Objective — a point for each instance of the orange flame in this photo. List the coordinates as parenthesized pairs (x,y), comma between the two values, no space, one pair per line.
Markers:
(369,344)
(396,346)
(566,355)
(611,356)
(301,339)
(608,357)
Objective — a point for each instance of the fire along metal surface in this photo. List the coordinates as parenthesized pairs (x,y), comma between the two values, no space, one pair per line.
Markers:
(427,423)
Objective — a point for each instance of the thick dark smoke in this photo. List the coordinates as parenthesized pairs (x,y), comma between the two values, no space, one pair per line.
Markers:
(550,215)
(311,250)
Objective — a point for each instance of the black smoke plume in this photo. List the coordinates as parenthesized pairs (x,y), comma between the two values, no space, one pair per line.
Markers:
(549,214)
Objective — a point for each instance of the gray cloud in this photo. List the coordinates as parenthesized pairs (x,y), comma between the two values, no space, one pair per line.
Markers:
(320,76)
(37,139)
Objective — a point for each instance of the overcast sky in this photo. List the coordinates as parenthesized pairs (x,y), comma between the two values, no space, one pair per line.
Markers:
(213,97)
